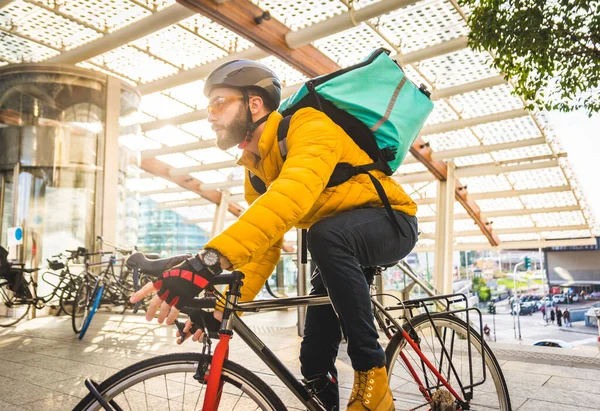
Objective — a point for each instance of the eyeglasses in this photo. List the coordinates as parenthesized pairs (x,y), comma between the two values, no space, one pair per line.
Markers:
(218,105)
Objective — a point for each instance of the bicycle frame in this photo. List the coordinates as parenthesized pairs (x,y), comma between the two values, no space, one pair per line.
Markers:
(231,322)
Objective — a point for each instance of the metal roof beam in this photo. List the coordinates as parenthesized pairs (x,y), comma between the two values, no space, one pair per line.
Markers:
(168,190)
(482,149)
(157,21)
(517,193)
(238,16)
(223,185)
(467,87)
(508,213)
(470,122)
(195,115)
(513,245)
(200,72)
(342,22)
(202,167)
(492,195)
(182,148)
(430,52)
(208,220)
(198,115)
(160,169)
(524,230)
(196,202)
(255,53)
(481,170)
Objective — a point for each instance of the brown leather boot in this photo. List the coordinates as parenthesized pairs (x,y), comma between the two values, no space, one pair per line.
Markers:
(371,391)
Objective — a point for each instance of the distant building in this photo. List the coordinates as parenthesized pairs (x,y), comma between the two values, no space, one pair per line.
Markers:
(165,232)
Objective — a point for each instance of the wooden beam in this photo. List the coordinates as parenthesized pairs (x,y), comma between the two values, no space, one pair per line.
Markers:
(160,169)
(238,16)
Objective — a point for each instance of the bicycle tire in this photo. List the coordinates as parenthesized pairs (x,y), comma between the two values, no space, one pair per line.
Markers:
(158,375)
(81,304)
(403,391)
(14,308)
(96,297)
(67,295)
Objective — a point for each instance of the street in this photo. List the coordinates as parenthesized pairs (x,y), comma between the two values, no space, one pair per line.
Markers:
(533,328)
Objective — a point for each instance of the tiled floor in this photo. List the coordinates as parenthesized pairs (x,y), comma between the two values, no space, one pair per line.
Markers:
(43,364)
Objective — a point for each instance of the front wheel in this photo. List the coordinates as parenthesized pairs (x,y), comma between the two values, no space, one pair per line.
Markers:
(167,383)
(82,303)
(14,306)
(446,330)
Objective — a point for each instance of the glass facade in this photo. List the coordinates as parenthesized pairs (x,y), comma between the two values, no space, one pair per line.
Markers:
(52,144)
(165,232)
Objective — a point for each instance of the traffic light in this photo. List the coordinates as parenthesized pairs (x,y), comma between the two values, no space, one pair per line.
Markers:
(527,263)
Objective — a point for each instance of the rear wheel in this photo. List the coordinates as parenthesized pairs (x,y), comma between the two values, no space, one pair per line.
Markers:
(167,383)
(13,306)
(448,331)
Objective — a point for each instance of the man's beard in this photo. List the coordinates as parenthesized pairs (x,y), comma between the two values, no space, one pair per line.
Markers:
(234,132)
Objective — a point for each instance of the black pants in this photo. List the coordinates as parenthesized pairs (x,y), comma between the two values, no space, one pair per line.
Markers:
(340,246)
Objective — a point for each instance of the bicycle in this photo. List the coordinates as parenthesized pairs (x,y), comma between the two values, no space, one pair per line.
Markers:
(104,288)
(18,290)
(420,352)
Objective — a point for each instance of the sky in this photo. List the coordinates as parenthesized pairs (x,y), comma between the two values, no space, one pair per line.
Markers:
(580,137)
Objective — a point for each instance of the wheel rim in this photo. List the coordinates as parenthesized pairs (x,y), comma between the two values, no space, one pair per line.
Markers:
(488,396)
(12,309)
(81,305)
(172,386)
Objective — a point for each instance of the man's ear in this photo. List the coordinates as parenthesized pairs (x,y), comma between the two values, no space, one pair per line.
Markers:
(256,104)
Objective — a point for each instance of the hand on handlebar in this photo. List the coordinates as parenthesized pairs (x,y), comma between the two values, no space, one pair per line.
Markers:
(194,326)
(175,288)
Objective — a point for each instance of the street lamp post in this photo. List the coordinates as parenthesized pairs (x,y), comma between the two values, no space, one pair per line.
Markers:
(517,305)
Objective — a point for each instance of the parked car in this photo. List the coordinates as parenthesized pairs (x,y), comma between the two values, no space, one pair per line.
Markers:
(526,309)
(559,298)
(546,301)
(552,343)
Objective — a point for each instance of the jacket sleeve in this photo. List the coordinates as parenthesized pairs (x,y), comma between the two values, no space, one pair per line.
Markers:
(313,151)
(258,271)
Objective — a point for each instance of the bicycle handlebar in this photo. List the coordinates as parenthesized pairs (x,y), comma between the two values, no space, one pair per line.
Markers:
(124,251)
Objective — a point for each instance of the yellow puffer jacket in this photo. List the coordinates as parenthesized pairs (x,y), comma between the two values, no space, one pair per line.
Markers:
(296,193)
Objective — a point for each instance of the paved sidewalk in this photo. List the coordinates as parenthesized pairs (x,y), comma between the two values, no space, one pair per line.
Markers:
(44,364)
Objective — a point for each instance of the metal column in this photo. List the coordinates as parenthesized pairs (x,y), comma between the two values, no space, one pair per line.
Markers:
(111,160)
(221,213)
(301,283)
(442,278)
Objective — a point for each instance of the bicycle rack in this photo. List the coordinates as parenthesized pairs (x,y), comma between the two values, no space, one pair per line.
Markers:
(448,303)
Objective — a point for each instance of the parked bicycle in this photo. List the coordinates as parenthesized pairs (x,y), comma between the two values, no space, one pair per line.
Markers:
(435,359)
(19,290)
(111,286)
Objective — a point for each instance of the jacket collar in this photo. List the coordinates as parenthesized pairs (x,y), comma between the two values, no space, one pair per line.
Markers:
(265,144)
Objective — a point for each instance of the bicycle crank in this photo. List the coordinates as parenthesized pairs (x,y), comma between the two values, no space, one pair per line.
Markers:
(442,400)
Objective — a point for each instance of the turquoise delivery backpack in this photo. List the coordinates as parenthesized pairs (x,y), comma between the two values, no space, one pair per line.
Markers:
(375,104)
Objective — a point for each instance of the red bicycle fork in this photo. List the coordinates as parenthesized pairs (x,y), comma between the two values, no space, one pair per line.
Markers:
(214,386)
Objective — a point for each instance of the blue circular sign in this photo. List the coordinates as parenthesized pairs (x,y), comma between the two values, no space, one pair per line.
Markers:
(19,234)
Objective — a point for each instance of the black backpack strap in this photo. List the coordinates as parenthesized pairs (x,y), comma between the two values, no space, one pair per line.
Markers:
(257,184)
(282,132)
(382,195)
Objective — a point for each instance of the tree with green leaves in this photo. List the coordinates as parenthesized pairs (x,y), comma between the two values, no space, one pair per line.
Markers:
(548,49)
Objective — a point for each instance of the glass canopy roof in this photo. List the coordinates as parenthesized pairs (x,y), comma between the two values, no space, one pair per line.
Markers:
(509,158)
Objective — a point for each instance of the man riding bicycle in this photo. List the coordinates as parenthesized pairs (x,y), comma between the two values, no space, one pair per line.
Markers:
(348,229)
